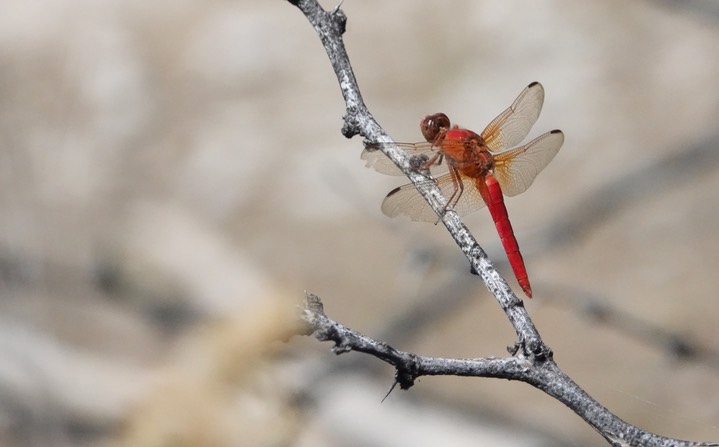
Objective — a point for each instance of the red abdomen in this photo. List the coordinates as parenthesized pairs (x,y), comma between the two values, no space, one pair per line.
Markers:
(492,195)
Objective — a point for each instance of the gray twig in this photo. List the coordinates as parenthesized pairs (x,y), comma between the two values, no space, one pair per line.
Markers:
(530,360)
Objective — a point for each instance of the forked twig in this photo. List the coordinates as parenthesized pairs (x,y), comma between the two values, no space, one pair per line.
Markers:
(531,360)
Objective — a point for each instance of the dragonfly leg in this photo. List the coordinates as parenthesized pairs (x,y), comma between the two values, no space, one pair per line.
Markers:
(456,195)
(436,159)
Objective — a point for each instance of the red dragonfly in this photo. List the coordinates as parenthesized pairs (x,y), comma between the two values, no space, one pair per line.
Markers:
(481,168)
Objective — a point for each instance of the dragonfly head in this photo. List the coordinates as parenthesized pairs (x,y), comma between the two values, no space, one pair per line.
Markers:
(434,126)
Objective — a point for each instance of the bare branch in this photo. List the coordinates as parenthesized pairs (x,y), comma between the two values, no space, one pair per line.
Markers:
(531,360)
(537,369)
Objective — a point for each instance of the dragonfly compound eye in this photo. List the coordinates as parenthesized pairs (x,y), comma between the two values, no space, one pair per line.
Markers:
(432,125)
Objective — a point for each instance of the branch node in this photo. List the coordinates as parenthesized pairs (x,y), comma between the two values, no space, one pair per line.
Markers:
(352,125)
(349,128)
(539,351)
(341,346)
(407,372)
(533,349)
(340,19)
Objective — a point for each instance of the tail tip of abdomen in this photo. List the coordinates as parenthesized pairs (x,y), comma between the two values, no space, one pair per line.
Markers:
(527,290)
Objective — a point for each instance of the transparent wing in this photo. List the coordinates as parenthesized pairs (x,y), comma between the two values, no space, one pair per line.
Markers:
(517,168)
(513,125)
(407,201)
(378,161)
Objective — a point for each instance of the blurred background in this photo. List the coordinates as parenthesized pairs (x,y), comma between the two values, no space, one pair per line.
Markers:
(173,179)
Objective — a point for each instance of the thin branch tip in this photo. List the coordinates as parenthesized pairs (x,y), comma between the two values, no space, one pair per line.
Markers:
(308,315)
(314,303)
(394,384)
(337,8)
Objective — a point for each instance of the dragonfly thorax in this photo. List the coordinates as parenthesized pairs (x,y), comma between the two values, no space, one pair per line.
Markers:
(467,151)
